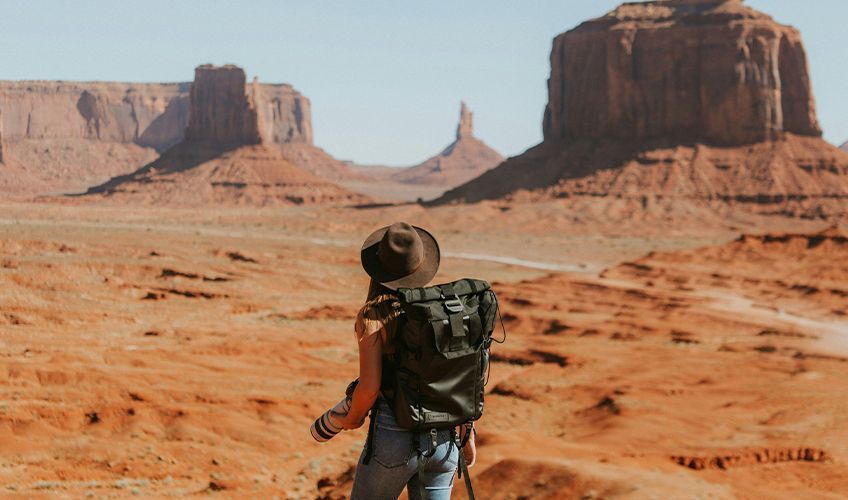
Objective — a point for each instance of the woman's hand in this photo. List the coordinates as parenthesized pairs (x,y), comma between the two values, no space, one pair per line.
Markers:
(470,450)
(349,423)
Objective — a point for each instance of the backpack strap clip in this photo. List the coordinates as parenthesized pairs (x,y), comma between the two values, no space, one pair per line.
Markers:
(454,308)
(454,305)
(432,443)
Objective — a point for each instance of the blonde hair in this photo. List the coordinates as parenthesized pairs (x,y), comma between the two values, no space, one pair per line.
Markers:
(378,315)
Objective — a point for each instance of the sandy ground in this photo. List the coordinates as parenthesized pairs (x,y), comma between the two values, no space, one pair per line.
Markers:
(165,352)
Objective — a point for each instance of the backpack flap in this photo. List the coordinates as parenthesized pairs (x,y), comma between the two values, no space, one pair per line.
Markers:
(453,311)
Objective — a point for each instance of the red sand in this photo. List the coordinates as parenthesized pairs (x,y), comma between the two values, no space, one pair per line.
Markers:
(174,352)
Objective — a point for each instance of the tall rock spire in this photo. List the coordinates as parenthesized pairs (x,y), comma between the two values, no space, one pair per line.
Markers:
(463,159)
(1,136)
(465,129)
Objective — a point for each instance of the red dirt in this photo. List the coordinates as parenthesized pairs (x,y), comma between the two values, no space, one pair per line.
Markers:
(641,382)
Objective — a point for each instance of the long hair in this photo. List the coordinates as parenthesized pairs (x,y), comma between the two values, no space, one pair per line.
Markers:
(379,315)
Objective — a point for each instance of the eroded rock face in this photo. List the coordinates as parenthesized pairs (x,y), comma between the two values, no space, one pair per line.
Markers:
(151,115)
(221,111)
(707,71)
(71,135)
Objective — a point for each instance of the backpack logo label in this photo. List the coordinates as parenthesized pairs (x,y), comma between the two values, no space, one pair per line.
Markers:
(436,417)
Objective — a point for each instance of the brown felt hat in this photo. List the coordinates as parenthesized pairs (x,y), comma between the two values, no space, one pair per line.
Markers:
(400,256)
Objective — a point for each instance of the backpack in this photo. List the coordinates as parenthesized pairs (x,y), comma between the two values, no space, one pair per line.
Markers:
(441,354)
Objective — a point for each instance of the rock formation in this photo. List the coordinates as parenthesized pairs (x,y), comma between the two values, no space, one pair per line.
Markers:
(228,155)
(844,146)
(75,134)
(464,159)
(698,99)
(1,137)
(221,111)
(707,71)
(465,128)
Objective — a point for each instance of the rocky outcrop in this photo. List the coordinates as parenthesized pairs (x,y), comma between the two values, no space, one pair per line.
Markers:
(228,157)
(708,71)
(221,111)
(1,137)
(464,159)
(153,115)
(677,102)
(75,134)
(844,146)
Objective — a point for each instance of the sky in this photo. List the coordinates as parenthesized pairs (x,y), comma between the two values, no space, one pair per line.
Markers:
(385,77)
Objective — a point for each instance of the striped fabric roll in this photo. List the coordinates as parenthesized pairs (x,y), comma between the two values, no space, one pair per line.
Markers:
(329,424)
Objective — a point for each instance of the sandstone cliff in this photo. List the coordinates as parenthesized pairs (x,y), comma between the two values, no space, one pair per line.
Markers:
(228,156)
(71,135)
(698,100)
(152,115)
(464,159)
(221,111)
(693,71)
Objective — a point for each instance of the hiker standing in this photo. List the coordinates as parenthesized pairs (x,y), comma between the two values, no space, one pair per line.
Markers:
(423,360)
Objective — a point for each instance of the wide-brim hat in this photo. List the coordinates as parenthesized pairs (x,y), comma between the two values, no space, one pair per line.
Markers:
(400,256)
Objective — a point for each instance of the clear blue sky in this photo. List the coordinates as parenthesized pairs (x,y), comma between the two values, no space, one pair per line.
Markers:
(385,77)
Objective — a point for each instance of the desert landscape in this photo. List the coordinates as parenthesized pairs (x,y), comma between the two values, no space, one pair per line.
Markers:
(180,272)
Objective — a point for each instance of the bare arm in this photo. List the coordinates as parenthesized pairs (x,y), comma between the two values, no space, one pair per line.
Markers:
(370,371)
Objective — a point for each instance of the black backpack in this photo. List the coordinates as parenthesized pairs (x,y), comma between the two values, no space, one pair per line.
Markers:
(436,377)
(441,354)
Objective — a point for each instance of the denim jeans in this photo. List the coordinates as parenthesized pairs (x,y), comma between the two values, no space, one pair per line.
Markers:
(396,459)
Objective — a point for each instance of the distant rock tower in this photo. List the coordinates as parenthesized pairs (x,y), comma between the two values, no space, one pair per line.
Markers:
(221,110)
(1,137)
(466,122)
(465,158)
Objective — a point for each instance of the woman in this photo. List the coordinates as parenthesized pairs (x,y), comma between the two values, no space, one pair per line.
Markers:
(395,256)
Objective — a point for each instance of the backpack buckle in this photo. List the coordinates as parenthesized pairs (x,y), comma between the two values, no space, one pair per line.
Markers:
(454,305)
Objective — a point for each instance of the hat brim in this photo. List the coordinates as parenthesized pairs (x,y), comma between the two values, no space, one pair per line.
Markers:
(420,277)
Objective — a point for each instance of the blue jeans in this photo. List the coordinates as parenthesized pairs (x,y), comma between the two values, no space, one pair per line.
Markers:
(396,459)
